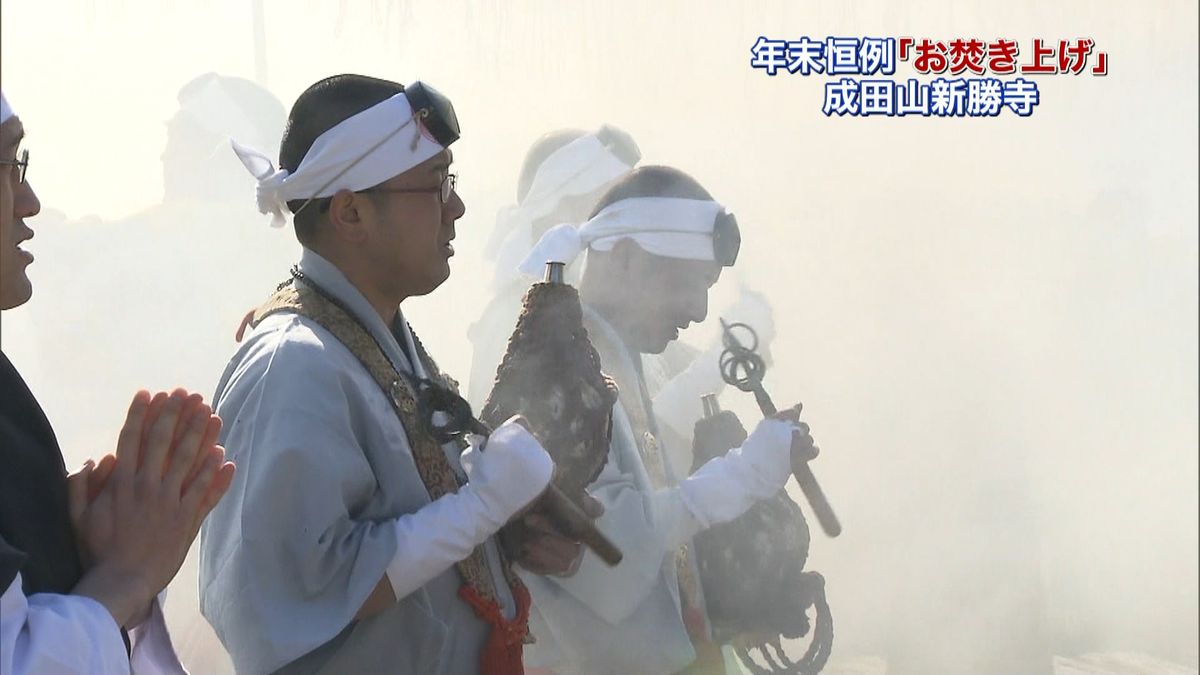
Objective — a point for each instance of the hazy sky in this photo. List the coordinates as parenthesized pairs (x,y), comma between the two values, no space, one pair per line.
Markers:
(992,322)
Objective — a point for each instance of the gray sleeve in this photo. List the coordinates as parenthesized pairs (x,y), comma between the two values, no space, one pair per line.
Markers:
(285,564)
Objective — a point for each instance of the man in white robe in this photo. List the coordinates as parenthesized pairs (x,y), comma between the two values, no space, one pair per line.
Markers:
(563,175)
(658,230)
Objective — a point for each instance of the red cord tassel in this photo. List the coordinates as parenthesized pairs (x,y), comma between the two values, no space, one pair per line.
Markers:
(502,653)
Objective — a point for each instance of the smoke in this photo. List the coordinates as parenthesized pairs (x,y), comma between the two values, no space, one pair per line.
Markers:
(992,323)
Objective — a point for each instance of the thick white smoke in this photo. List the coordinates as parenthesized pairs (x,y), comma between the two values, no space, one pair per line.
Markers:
(992,323)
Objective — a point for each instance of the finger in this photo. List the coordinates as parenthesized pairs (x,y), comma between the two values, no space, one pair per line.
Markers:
(100,476)
(591,506)
(222,479)
(187,448)
(246,321)
(191,408)
(129,441)
(551,559)
(220,485)
(541,524)
(159,436)
(77,492)
(575,564)
(561,551)
(804,447)
(534,567)
(546,537)
(194,496)
(211,435)
(153,412)
(791,414)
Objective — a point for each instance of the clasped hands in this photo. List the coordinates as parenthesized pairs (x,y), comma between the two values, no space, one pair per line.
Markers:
(137,511)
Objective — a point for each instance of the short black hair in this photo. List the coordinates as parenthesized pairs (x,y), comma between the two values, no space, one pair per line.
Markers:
(321,107)
(653,181)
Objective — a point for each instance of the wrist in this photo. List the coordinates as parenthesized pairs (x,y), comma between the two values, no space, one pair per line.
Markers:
(125,595)
(489,514)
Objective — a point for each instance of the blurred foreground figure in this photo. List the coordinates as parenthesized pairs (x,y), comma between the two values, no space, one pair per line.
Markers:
(564,173)
(83,557)
(360,538)
(198,246)
(655,244)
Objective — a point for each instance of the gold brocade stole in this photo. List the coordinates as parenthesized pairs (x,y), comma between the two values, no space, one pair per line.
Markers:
(653,457)
(301,298)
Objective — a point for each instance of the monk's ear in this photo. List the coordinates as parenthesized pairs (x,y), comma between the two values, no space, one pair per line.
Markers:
(625,257)
(346,216)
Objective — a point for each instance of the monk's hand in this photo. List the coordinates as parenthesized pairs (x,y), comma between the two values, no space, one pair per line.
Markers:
(804,448)
(508,471)
(544,550)
(538,546)
(139,527)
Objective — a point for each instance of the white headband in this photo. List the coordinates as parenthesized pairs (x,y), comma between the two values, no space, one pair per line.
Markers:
(6,110)
(580,167)
(360,152)
(665,226)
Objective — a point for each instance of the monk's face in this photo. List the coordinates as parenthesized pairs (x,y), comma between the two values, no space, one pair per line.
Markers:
(407,247)
(17,202)
(664,296)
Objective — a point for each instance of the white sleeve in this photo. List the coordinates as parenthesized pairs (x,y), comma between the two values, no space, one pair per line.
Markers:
(153,653)
(435,537)
(54,634)
(646,526)
(501,482)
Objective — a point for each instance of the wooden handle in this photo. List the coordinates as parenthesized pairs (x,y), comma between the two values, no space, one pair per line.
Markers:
(571,520)
(816,498)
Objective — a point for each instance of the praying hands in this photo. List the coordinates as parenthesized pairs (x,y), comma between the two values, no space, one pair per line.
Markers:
(137,512)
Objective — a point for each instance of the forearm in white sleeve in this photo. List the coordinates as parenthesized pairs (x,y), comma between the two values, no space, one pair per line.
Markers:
(51,633)
(727,486)
(501,481)
(435,537)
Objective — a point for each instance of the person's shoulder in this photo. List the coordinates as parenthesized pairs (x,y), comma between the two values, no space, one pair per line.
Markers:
(289,340)
(283,350)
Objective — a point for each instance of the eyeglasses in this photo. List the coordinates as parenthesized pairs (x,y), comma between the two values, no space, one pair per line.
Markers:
(23,163)
(444,190)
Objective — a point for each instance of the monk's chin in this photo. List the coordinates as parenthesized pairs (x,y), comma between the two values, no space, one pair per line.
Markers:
(15,291)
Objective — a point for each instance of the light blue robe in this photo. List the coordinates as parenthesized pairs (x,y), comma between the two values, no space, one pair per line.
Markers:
(305,533)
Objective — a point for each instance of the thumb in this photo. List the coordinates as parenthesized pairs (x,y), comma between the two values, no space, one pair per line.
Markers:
(77,492)
(791,414)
